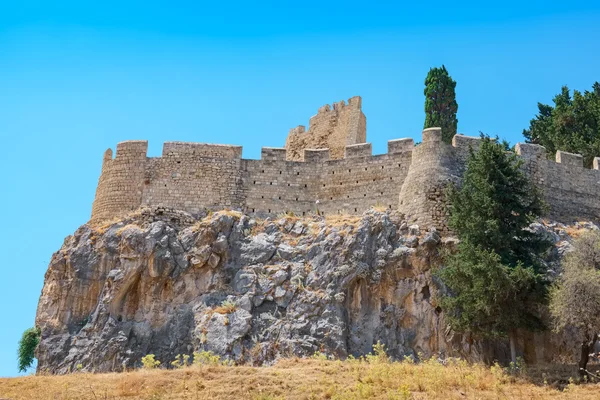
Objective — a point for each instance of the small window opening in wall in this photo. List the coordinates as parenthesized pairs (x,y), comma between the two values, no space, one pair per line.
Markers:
(348,196)
(355,210)
(340,183)
(390,206)
(303,213)
(305,185)
(365,168)
(262,197)
(399,165)
(373,179)
(270,183)
(269,210)
(382,167)
(279,172)
(178,162)
(349,170)
(255,182)
(288,184)
(165,185)
(356,181)
(297,173)
(323,185)
(253,210)
(391,179)
(382,193)
(365,195)
(332,172)
(279,197)
(263,171)
(331,198)
(296,199)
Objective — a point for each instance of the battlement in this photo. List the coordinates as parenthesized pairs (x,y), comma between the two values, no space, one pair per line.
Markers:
(346,178)
(187,149)
(132,148)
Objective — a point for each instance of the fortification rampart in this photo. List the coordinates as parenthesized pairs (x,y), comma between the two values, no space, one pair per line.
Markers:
(195,176)
(570,190)
(344,179)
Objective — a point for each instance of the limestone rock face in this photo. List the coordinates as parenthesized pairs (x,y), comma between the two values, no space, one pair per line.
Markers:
(250,291)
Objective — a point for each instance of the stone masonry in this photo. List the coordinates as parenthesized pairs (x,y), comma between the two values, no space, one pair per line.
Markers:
(343,179)
(332,128)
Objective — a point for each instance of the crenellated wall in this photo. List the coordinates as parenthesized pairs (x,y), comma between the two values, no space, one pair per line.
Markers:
(195,176)
(570,190)
(344,179)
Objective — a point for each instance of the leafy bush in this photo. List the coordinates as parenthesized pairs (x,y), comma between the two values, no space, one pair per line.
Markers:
(149,362)
(27,345)
(206,358)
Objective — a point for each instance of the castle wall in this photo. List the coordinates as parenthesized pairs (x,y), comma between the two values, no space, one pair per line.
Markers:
(570,190)
(274,185)
(194,176)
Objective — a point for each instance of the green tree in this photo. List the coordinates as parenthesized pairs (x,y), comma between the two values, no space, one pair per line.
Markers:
(495,278)
(26,351)
(575,299)
(440,102)
(572,124)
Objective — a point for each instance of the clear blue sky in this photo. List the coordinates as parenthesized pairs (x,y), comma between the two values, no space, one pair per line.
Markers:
(76,79)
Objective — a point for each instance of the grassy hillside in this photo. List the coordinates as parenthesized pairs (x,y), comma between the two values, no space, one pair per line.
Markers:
(305,379)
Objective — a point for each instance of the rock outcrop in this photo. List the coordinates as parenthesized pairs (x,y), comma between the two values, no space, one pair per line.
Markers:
(162,282)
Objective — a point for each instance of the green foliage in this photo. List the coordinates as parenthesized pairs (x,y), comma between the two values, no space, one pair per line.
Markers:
(572,124)
(27,345)
(575,300)
(206,358)
(378,355)
(149,362)
(181,361)
(440,102)
(495,278)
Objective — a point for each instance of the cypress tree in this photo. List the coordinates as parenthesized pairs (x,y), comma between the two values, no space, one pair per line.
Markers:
(440,102)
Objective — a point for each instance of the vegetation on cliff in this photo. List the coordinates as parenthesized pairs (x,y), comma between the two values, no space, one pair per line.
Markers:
(440,102)
(575,301)
(495,278)
(572,124)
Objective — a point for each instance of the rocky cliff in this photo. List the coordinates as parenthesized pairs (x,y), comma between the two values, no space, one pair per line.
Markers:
(163,282)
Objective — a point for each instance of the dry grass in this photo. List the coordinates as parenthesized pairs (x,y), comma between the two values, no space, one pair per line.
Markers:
(296,379)
(342,220)
(575,231)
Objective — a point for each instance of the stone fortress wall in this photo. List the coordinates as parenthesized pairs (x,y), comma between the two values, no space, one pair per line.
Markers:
(195,176)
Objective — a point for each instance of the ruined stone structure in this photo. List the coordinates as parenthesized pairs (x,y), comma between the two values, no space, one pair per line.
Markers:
(329,167)
(332,128)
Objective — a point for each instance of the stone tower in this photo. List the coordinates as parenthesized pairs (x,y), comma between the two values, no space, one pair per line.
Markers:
(422,198)
(332,128)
